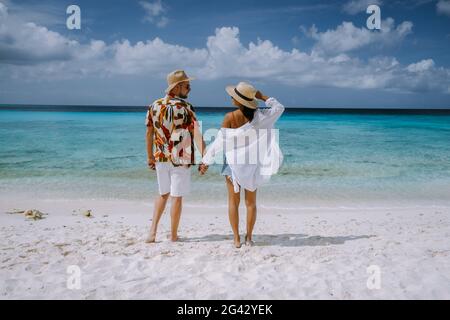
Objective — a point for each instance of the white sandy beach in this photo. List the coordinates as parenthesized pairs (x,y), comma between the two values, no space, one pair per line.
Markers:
(299,254)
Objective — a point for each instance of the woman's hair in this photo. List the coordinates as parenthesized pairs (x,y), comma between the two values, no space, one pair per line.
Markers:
(248,112)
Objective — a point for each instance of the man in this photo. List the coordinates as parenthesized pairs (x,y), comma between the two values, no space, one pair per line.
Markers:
(171,130)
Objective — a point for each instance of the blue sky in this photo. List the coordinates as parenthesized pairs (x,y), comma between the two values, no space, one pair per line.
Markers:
(306,53)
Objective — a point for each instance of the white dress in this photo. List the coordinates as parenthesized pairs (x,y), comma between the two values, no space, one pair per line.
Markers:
(252,150)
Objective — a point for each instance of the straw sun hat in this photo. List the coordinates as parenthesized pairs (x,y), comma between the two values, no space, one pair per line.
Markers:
(243,93)
(176,77)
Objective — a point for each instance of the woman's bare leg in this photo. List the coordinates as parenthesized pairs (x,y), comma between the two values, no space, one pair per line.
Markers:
(250,203)
(233,212)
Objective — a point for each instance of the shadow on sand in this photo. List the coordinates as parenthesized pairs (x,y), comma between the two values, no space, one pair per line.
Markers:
(283,240)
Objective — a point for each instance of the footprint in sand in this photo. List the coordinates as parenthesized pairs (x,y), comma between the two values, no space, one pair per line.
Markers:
(168,253)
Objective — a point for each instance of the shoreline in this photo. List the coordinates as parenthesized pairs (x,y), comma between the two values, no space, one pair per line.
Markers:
(25,201)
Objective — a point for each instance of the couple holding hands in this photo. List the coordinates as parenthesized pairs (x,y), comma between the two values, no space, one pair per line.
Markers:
(172,130)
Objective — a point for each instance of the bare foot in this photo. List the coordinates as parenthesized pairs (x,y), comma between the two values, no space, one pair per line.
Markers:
(249,242)
(174,238)
(151,238)
(237,242)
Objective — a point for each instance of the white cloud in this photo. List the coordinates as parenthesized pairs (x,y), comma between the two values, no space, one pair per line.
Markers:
(29,50)
(153,57)
(421,66)
(346,37)
(356,6)
(295,41)
(443,7)
(3,10)
(32,52)
(155,13)
(26,42)
(45,14)
(228,57)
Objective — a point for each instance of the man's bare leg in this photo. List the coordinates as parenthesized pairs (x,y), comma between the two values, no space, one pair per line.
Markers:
(175,214)
(160,205)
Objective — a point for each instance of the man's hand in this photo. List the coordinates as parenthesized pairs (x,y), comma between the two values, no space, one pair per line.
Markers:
(259,95)
(151,163)
(202,168)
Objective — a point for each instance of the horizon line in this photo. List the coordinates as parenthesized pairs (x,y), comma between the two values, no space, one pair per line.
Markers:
(26,105)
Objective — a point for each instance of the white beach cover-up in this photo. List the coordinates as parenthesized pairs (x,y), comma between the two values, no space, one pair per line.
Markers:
(252,150)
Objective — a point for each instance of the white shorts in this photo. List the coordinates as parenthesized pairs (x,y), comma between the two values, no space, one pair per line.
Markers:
(176,180)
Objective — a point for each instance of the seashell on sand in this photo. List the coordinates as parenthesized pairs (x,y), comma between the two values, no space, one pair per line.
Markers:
(88,213)
(33,214)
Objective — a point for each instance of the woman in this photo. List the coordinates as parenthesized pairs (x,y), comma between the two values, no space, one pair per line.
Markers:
(254,125)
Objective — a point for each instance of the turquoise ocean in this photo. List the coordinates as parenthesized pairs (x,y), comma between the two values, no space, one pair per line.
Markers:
(331,157)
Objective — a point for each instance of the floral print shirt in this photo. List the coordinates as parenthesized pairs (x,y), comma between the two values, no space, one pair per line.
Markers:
(173,120)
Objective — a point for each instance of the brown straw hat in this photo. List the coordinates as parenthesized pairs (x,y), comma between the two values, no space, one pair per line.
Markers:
(175,77)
